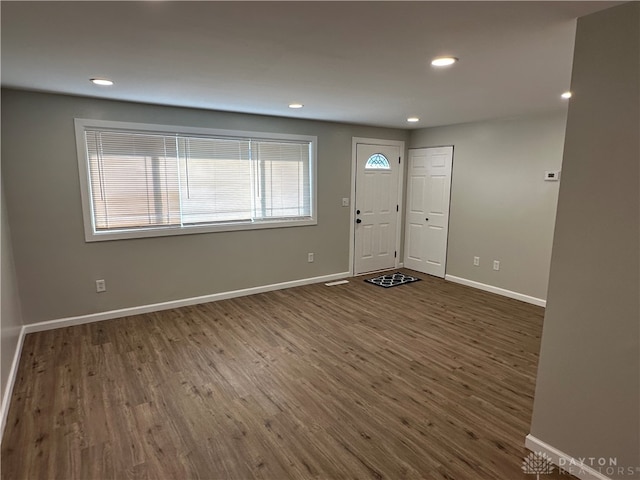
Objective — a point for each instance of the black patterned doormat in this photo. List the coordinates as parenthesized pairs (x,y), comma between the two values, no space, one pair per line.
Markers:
(392,280)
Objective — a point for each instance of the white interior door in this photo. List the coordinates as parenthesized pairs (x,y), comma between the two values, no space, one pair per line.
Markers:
(427,220)
(376,207)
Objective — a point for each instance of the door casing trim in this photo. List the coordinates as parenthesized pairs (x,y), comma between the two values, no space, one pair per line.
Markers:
(399,224)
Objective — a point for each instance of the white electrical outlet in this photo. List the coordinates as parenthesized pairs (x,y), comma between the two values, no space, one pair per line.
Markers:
(496,264)
(101,286)
(310,257)
(476,261)
(552,175)
(345,202)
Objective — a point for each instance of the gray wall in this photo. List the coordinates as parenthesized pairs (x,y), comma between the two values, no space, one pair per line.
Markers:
(57,269)
(10,315)
(501,208)
(587,401)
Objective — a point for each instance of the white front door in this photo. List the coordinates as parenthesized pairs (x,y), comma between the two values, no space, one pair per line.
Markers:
(427,220)
(376,207)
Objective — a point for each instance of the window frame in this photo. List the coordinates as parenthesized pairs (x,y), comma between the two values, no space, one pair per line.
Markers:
(93,235)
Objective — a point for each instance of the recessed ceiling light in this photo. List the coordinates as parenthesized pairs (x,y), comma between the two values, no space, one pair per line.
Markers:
(443,61)
(413,119)
(566,95)
(102,81)
(295,105)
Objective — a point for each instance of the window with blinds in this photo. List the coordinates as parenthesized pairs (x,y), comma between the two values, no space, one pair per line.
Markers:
(149,180)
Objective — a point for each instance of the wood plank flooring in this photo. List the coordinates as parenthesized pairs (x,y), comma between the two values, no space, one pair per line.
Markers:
(429,380)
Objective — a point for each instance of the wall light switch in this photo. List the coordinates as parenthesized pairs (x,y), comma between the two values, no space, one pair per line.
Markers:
(476,261)
(496,264)
(101,286)
(345,202)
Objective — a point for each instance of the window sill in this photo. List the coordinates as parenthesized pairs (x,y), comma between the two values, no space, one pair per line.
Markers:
(124,234)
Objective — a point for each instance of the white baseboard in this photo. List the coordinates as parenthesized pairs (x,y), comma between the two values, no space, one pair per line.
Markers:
(566,462)
(11,380)
(500,291)
(156,307)
(124,312)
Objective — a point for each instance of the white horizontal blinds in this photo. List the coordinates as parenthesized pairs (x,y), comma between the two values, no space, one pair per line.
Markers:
(284,178)
(143,180)
(216,180)
(133,179)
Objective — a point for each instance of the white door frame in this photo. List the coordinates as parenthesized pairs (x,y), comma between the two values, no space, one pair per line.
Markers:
(352,229)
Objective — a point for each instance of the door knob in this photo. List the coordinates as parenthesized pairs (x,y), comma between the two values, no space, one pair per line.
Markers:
(358,221)
(427,219)
(358,212)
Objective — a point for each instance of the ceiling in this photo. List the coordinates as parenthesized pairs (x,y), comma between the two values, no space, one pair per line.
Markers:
(355,62)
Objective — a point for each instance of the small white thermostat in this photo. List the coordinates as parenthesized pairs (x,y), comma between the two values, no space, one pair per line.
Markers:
(552,175)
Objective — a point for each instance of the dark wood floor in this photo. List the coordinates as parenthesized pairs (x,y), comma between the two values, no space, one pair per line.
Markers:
(429,380)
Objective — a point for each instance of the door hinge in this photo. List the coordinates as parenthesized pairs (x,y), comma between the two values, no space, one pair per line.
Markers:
(395,254)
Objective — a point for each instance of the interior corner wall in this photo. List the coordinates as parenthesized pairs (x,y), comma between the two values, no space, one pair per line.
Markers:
(501,207)
(57,269)
(10,314)
(587,399)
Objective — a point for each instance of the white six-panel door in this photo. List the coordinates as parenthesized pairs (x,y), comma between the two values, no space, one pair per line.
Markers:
(427,218)
(376,207)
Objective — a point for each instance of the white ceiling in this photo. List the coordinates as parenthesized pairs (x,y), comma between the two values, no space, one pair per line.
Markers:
(357,62)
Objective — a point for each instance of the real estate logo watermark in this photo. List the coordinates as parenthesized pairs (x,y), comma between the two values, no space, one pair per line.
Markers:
(537,463)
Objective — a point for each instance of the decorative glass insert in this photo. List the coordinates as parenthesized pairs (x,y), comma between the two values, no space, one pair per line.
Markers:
(377,161)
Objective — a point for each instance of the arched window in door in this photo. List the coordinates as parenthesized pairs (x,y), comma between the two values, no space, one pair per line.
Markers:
(377,161)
